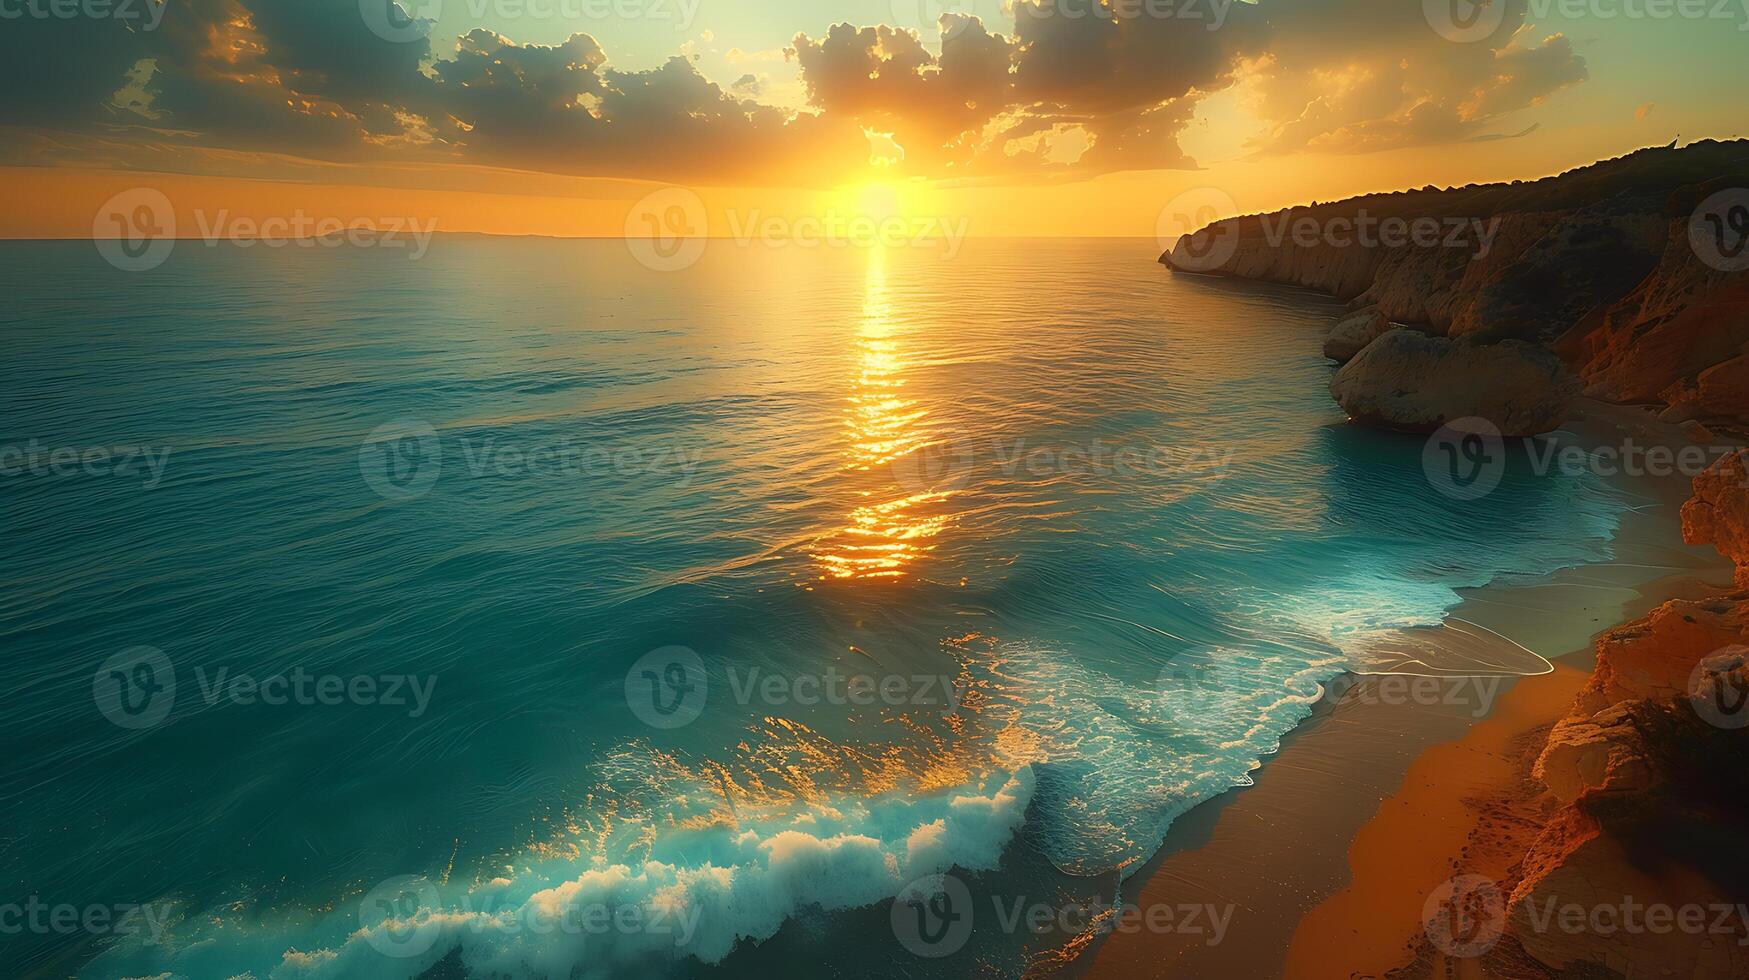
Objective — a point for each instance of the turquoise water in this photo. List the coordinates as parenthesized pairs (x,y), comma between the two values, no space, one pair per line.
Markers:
(1092,536)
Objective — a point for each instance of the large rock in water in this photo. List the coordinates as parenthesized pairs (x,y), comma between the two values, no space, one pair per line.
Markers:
(1353,332)
(1415,383)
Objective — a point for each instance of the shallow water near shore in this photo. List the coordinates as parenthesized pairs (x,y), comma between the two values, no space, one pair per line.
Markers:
(1113,513)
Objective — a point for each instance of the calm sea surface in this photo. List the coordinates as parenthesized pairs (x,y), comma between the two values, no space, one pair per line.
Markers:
(376,612)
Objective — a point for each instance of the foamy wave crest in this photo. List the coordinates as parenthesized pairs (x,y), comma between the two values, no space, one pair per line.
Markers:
(556,919)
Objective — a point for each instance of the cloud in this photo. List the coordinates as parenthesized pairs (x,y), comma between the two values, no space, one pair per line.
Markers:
(1353,76)
(1042,95)
(750,85)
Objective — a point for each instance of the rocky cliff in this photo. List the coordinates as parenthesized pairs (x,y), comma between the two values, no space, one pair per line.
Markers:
(1651,770)
(1608,266)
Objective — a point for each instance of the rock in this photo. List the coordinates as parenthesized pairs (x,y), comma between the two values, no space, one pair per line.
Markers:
(1652,658)
(1584,900)
(1718,513)
(1698,434)
(1651,782)
(1679,335)
(1602,753)
(1412,382)
(1353,332)
(1598,747)
(1596,263)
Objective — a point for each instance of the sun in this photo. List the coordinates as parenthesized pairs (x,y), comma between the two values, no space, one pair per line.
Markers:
(880,200)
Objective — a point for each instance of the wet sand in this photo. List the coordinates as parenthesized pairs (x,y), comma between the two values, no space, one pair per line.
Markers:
(1327,860)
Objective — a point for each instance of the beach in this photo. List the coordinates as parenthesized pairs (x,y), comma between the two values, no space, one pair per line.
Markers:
(1371,803)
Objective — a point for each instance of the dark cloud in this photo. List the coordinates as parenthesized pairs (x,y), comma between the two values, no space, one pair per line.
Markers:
(1067,87)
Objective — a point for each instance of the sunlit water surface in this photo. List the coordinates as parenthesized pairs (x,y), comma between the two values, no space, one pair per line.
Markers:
(1115,511)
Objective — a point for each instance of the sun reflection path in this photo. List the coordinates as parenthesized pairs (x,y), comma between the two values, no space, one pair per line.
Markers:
(889,533)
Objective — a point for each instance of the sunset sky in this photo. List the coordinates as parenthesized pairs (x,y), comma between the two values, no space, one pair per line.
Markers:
(1047,117)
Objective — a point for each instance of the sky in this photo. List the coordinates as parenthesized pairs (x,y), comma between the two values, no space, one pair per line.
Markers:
(1012,117)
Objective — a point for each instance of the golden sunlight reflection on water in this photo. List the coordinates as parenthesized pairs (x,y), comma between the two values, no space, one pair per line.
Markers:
(891,531)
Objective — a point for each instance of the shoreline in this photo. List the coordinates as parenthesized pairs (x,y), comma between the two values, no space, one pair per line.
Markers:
(1327,859)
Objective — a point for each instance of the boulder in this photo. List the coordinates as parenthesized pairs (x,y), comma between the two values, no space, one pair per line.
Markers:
(1353,332)
(1718,513)
(1411,382)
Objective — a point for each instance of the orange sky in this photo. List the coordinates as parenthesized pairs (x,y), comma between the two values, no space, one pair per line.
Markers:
(60,202)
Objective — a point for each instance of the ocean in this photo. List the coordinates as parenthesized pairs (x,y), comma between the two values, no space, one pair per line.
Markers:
(522,610)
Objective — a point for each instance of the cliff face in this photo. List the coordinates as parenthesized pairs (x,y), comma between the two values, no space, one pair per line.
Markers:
(1595,264)
(1651,767)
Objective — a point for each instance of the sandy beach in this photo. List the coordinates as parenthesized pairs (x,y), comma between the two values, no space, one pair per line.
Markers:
(1328,859)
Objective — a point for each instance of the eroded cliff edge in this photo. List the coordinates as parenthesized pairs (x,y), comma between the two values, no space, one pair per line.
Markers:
(1600,265)
(1651,771)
